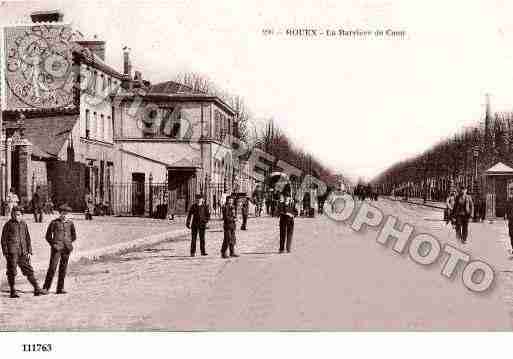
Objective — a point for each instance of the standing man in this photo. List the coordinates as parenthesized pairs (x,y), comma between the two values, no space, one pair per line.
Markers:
(509,217)
(463,211)
(268,200)
(12,201)
(37,207)
(17,249)
(197,220)
(287,212)
(449,206)
(60,236)
(229,219)
(244,208)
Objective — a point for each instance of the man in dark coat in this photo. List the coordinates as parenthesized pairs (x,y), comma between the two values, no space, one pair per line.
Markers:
(60,236)
(509,217)
(37,207)
(197,220)
(244,208)
(287,212)
(229,219)
(463,210)
(17,249)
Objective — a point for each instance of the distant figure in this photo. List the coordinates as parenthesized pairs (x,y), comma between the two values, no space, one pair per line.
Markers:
(245,212)
(170,206)
(229,219)
(509,217)
(463,211)
(214,204)
(449,206)
(268,200)
(89,203)
(286,212)
(12,201)
(37,207)
(60,236)
(17,249)
(197,221)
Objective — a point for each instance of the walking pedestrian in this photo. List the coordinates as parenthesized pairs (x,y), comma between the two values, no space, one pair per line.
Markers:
(89,204)
(449,206)
(60,236)
(37,207)
(229,219)
(463,211)
(287,212)
(17,250)
(197,220)
(12,201)
(245,212)
(509,217)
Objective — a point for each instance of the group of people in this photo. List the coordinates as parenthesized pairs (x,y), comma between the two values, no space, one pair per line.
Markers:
(39,205)
(17,250)
(459,211)
(198,218)
(365,191)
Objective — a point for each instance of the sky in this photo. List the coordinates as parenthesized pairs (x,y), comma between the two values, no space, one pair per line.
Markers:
(358,104)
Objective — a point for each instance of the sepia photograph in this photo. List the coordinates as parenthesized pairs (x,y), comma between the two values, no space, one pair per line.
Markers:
(294,171)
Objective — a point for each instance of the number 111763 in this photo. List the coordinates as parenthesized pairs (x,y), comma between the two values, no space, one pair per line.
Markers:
(37,347)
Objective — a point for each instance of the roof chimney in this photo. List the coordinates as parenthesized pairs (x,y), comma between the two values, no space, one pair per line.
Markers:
(47,16)
(127,65)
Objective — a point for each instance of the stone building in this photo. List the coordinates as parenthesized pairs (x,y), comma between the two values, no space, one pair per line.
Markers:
(58,124)
(176,137)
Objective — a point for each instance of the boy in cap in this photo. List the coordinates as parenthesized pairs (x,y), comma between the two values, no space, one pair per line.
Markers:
(17,249)
(197,220)
(60,235)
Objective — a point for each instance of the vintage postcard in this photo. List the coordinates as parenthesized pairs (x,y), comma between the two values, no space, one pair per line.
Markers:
(255,166)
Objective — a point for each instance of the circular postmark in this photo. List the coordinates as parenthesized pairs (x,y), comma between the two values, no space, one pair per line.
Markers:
(39,66)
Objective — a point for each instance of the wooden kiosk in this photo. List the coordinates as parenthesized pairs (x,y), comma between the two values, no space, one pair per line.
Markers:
(498,185)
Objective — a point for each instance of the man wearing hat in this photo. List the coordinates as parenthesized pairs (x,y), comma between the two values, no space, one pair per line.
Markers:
(17,249)
(229,219)
(463,210)
(60,235)
(197,220)
(286,211)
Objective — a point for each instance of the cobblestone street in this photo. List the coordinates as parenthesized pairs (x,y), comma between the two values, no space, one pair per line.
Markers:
(333,279)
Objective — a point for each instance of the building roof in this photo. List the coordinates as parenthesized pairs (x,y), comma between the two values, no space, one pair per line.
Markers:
(181,157)
(192,97)
(49,134)
(499,169)
(91,59)
(171,87)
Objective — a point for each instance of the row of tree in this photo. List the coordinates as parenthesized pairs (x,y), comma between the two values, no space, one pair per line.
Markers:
(460,159)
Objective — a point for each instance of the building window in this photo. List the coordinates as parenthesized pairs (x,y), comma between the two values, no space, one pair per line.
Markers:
(87,124)
(94,125)
(101,128)
(109,128)
(94,82)
(104,83)
(110,85)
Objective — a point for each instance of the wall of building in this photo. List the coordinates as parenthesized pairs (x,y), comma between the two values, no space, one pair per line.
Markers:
(148,119)
(96,118)
(130,164)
